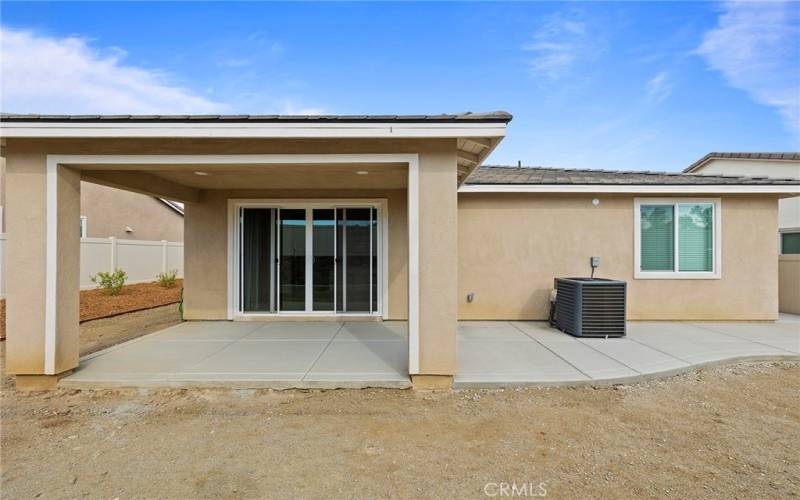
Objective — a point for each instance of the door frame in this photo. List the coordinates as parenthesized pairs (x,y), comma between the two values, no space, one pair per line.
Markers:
(234,260)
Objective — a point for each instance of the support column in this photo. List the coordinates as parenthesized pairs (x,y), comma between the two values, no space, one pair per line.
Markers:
(43,262)
(438,266)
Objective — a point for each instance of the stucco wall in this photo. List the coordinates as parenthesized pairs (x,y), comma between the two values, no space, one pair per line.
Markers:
(109,210)
(511,246)
(789,280)
(26,265)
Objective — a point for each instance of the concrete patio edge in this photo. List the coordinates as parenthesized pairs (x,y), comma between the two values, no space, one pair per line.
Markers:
(633,379)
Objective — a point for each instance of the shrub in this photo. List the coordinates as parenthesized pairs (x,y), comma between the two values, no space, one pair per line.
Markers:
(168,279)
(112,283)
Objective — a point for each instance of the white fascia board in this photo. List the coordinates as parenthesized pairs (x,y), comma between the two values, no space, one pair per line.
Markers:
(251,130)
(628,188)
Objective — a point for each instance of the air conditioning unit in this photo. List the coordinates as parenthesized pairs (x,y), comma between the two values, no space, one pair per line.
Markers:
(590,307)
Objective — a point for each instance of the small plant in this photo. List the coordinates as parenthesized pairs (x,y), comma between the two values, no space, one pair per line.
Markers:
(112,283)
(168,279)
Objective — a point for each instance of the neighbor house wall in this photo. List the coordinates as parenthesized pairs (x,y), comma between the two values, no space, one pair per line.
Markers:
(511,246)
(108,211)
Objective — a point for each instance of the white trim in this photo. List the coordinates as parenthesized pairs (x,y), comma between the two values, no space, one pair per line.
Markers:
(638,274)
(259,130)
(51,273)
(413,265)
(411,159)
(625,188)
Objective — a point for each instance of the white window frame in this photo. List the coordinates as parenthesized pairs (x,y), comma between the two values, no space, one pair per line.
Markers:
(781,232)
(84,226)
(715,273)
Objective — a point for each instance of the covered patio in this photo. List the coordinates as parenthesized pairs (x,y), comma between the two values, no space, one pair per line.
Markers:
(255,354)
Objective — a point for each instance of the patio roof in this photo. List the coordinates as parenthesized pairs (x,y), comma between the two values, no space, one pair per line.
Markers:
(489,117)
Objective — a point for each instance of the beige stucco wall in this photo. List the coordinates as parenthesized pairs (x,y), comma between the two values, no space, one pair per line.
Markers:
(108,211)
(206,247)
(26,265)
(511,246)
(789,283)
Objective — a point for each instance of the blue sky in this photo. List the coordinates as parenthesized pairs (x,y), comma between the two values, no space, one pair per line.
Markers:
(646,86)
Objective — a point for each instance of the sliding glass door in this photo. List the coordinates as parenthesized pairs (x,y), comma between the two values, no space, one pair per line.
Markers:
(324,259)
(317,259)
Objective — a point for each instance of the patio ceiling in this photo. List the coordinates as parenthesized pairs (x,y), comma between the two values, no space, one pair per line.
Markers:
(386,176)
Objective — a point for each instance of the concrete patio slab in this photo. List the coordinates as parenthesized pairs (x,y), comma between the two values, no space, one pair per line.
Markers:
(784,335)
(277,355)
(375,354)
(492,355)
(488,363)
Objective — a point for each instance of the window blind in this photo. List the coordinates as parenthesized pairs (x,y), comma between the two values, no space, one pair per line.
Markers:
(657,234)
(695,237)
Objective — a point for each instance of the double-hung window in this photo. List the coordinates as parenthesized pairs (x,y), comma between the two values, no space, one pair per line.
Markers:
(677,238)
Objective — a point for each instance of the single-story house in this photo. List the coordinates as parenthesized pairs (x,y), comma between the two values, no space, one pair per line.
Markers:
(371,218)
(775,165)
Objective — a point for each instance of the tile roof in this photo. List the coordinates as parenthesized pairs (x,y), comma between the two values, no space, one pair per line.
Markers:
(493,174)
(495,116)
(743,156)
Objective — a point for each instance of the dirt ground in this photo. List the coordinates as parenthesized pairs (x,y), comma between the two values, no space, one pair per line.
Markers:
(726,432)
(98,304)
(105,332)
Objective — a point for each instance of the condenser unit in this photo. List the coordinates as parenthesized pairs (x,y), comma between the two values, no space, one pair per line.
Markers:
(590,307)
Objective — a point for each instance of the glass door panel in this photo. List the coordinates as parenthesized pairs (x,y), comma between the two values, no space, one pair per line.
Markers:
(324,244)
(292,284)
(355,251)
(256,243)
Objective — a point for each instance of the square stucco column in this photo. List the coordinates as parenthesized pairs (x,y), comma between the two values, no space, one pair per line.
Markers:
(438,266)
(43,263)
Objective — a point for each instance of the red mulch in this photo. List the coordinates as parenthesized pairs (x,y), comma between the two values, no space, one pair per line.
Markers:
(97,304)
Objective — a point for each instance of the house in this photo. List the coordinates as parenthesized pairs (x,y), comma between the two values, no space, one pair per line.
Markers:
(773,165)
(108,212)
(371,218)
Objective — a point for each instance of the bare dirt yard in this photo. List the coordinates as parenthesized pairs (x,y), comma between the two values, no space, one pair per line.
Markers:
(725,432)
(97,303)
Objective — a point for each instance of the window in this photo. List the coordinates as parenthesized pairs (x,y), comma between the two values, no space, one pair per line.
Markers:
(83,226)
(790,243)
(677,238)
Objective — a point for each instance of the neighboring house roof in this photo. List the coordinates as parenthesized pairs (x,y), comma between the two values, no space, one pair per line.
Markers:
(495,116)
(741,156)
(175,205)
(494,174)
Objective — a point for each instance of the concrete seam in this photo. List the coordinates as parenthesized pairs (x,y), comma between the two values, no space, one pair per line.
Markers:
(708,329)
(322,352)
(552,351)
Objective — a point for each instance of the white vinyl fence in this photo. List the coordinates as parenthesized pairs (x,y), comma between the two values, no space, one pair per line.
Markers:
(141,260)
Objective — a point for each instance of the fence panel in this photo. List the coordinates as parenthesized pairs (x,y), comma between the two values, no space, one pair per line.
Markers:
(142,260)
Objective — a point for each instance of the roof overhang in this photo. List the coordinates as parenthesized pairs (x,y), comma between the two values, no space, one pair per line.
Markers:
(791,190)
(308,130)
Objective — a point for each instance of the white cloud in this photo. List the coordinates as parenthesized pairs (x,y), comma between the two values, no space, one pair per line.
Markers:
(42,74)
(756,47)
(559,44)
(659,88)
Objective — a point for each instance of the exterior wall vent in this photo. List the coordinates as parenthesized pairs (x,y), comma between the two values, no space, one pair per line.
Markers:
(591,307)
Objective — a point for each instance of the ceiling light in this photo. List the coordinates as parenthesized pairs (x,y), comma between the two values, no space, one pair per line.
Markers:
(362,172)
(200,173)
